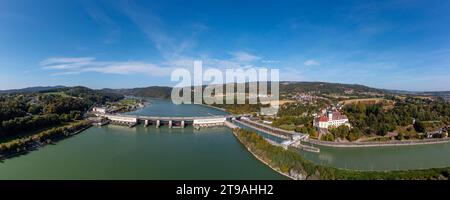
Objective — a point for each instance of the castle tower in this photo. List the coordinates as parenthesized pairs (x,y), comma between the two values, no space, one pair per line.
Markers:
(330,115)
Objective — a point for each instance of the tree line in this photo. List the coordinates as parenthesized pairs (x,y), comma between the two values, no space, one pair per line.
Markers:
(43,137)
(21,113)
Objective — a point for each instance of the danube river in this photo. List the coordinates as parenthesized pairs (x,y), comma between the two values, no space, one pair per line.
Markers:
(384,158)
(115,152)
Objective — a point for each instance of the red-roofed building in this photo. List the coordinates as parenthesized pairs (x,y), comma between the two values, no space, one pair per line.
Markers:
(335,119)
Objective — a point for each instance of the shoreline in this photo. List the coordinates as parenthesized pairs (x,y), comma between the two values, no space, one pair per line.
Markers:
(261,160)
(35,145)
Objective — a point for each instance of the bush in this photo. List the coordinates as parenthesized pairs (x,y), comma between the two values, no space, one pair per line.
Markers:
(288,127)
(328,137)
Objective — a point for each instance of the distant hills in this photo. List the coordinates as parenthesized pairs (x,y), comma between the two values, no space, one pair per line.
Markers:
(152,91)
(31,89)
(445,94)
(286,87)
(324,87)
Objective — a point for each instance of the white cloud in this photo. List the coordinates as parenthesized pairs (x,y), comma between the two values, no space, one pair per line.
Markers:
(241,56)
(66,60)
(311,63)
(67,65)
(78,65)
(270,61)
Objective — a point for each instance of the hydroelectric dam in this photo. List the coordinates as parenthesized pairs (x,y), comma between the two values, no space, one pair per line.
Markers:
(171,122)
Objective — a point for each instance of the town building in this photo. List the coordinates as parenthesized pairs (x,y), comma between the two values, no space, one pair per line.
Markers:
(441,133)
(209,122)
(331,119)
(101,110)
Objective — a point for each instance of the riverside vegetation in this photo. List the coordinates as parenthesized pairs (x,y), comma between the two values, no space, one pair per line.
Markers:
(44,137)
(295,166)
(28,119)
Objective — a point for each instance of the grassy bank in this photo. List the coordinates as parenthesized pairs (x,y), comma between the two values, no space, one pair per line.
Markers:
(293,164)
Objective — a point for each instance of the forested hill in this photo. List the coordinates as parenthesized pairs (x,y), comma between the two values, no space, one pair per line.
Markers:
(325,88)
(31,89)
(153,91)
(23,113)
(84,92)
(286,87)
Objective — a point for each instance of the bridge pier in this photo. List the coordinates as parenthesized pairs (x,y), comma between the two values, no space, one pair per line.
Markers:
(158,123)
(170,123)
(146,123)
(182,124)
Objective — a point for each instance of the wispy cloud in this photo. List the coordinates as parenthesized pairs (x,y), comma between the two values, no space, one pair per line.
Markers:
(311,63)
(67,66)
(65,62)
(78,65)
(270,61)
(169,43)
(242,56)
(97,14)
(177,49)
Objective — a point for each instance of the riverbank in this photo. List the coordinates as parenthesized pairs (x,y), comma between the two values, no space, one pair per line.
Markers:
(380,144)
(222,109)
(296,167)
(234,131)
(23,146)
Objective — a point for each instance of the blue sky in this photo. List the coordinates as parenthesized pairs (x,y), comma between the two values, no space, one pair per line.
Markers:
(119,44)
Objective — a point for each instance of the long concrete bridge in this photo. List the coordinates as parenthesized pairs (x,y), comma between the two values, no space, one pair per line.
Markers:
(172,122)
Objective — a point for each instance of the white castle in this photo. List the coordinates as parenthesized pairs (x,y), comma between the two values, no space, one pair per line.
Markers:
(334,119)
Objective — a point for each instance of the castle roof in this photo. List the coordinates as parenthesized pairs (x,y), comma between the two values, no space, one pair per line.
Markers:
(323,119)
(336,116)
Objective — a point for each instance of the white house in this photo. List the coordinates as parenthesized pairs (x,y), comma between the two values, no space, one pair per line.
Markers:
(335,119)
(101,110)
